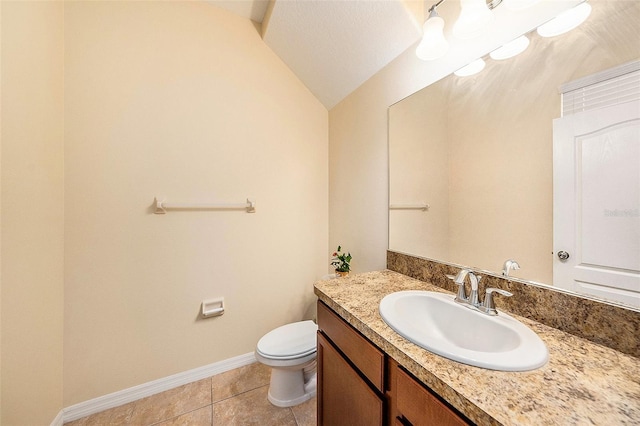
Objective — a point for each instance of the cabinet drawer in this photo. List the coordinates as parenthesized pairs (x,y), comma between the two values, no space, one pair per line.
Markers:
(418,406)
(366,357)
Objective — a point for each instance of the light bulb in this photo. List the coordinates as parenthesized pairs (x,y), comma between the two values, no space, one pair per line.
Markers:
(511,49)
(474,16)
(433,44)
(566,21)
(470,69)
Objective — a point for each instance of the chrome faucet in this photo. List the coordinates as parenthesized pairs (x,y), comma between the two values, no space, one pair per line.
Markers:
(472,301)
(508,266)
(462,296)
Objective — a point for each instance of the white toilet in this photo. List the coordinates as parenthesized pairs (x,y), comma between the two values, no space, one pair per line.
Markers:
(290,351)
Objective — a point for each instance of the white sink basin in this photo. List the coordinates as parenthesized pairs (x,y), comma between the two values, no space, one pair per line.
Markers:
(440,325)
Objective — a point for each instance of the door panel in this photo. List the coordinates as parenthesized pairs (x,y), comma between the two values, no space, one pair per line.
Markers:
(608,195)
(597,202)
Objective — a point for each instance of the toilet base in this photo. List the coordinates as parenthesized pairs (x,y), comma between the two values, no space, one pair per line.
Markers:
(289,387)
(291,402)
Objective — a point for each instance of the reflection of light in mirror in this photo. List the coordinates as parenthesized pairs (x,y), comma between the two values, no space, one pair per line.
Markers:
(566,21)
(511,49)
(433,44)
(473,68)
(474,17)
(519,4)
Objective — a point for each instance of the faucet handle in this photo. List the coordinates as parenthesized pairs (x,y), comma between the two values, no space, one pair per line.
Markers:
(488,307)
(462,295)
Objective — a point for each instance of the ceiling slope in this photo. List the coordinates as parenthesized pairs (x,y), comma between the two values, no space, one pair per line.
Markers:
(334,46)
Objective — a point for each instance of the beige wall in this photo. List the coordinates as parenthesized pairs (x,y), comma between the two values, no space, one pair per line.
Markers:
(419,173)
(182,100)
(0,212)
(32,212)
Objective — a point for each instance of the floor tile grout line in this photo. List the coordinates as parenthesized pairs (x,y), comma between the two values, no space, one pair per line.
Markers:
(238,394)
(182,414)
(212,413)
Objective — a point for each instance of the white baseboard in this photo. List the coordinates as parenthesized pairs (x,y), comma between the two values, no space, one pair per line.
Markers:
(125,396)
(58,421)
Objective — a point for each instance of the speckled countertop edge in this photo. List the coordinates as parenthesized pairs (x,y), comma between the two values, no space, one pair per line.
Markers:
(583,382)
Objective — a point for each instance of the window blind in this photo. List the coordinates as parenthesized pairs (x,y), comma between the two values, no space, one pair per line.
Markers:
(611,87)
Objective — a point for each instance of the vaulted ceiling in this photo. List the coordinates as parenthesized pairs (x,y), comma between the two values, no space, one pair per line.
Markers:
(334,46)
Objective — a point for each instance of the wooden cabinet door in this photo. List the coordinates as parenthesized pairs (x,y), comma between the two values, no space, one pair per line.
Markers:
(344,398)
(419,407)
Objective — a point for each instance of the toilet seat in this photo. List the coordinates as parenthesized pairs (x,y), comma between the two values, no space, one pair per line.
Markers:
(290,341)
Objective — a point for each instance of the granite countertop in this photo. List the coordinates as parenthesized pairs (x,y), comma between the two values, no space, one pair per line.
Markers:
(583,383)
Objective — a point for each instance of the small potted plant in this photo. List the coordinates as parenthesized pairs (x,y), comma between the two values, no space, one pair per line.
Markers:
(340,262)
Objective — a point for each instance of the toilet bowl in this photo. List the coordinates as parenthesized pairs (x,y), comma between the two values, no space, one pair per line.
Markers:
(290,351)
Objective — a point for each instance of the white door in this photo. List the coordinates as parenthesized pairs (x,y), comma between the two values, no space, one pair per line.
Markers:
(596,198)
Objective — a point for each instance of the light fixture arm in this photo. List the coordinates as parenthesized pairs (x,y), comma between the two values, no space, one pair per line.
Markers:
(434,6)
(491,4)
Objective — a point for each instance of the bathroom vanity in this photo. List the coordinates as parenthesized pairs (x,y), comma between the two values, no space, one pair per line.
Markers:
(370,375)
(378,392)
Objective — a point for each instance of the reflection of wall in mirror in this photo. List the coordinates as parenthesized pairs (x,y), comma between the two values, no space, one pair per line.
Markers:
(420,174)
(499,147)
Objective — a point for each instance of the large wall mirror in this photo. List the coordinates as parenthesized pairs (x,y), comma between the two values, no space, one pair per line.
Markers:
(479,150)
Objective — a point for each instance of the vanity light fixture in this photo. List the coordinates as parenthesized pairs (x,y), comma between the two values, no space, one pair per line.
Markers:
(474,17)
(471,68)
(433,44)
(566,21)
(511,49)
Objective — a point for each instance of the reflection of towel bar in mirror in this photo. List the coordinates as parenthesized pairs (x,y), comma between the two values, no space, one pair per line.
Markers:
(161,207)
(423,207)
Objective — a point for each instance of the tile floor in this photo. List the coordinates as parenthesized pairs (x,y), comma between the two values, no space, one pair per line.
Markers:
(236,397)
